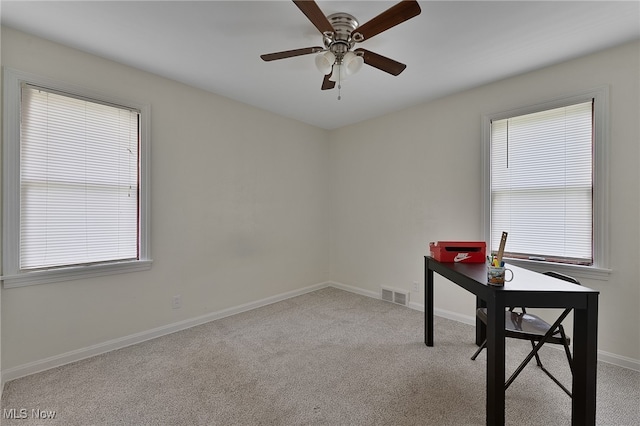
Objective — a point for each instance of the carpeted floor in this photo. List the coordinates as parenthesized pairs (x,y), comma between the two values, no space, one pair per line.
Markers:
(328,357)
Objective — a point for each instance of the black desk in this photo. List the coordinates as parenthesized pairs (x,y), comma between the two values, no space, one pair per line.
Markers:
(528,289)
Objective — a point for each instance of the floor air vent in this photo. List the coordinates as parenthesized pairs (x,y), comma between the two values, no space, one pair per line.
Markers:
(395,296)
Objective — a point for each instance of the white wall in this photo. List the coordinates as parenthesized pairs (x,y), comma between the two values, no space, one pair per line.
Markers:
(405,179)
(238,212)
(247,205)
(1,378)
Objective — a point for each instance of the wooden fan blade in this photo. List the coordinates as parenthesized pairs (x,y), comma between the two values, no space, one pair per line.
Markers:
(381,62)
(290,53)
(393,16)
(328,84)
(315,15)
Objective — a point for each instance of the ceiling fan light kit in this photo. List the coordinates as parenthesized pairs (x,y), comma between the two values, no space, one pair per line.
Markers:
(352,62)
(324,61)
(340,32)
(349,65)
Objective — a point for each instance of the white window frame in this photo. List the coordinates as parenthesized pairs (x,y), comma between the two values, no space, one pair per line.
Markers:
(12,275)
(600,268)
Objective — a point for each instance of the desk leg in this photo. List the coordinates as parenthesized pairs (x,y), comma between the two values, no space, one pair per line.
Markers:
(495,360)
(585,346)
(428,304)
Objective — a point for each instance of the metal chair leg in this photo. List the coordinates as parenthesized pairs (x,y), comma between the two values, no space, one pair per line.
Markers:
(566,348)
(533,347)
(482,346)
(552,377)
(535,350)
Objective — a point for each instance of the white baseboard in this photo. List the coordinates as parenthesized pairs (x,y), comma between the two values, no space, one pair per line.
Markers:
(356,290)
(620,361)
(110,345)
(443,313)
(466,319)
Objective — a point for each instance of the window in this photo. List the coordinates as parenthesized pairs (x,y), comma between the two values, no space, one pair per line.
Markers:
(545,176)
(75,186)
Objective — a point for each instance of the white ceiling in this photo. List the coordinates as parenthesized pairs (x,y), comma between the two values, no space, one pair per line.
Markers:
(215,45)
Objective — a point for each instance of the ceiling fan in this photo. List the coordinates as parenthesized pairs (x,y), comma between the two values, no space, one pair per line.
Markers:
(340,32)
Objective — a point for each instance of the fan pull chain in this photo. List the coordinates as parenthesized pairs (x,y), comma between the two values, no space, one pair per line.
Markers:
(339,81)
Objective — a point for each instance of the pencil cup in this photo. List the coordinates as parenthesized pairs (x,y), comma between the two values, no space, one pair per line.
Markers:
(496,275)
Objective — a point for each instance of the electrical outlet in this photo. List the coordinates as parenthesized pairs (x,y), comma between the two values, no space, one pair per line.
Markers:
(176,302)
(416,286)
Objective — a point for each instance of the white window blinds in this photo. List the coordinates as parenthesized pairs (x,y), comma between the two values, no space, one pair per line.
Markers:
(78,181)
(542,184)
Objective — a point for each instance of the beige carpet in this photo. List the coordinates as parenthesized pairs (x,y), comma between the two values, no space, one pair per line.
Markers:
(325,358)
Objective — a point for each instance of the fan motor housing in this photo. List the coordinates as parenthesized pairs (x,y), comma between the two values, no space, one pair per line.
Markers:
(340,40)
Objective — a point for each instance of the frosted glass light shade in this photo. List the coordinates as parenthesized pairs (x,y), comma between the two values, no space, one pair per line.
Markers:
(338,70)
(352,63)
(324,62)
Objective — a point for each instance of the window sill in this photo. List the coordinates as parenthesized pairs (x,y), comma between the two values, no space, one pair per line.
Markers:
(74,273)
(576,271)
